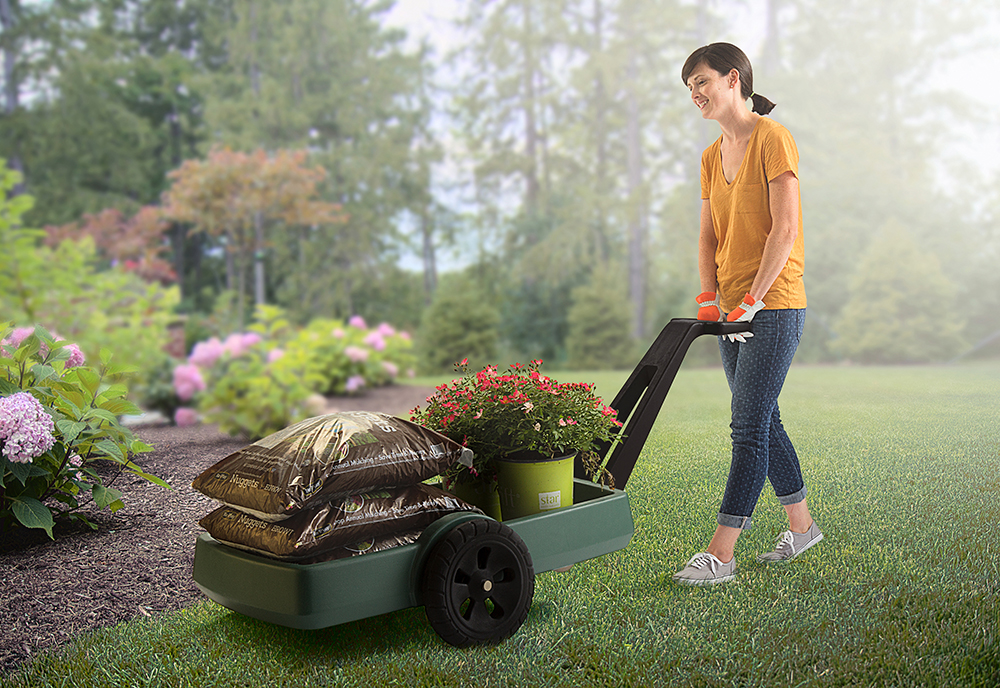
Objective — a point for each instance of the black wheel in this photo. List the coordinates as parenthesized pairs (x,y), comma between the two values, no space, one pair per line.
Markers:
(478,584)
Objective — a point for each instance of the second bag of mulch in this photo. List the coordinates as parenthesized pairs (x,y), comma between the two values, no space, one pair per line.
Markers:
(321,458)
(322,532)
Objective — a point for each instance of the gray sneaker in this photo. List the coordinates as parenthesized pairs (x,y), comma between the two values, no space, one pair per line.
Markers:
(791,545)
(705,569)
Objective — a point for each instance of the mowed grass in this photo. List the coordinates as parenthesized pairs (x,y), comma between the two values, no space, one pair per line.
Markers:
(903,469)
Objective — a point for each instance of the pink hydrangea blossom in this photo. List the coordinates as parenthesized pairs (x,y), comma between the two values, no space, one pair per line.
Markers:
(185,417)
(356,354)
(188,381)
(25,428)
(358,322)
(354,383)
(76,357)
(338,333)
(206,353)
(17,336)
(403,334)
(386,330)
(274,354)
(375,341)
(391,368)
(76,462)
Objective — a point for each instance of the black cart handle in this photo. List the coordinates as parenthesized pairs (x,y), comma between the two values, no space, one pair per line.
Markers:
(641,397)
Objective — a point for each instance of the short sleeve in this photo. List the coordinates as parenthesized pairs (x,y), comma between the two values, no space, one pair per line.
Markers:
(780,154)
(706,182)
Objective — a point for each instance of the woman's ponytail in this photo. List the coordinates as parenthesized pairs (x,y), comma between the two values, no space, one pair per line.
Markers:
(761,105)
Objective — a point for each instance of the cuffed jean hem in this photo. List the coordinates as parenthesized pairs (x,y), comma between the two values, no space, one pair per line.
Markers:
(793,498)
(730,521)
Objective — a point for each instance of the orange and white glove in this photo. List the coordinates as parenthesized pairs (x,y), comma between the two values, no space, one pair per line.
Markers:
(744,313)
(708,306)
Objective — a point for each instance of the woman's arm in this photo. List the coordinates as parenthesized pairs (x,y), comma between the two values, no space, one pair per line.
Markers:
(783,194)
(707,244)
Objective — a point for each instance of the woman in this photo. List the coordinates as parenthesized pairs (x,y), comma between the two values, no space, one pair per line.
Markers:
(750,261)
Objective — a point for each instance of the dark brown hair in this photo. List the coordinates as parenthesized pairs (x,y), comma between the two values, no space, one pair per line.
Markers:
(723,57)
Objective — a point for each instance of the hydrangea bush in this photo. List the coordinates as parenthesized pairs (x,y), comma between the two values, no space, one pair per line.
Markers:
(349,357)
(58,422)
(258,382)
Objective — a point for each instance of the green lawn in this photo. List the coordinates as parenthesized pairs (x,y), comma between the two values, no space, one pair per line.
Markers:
(903,468)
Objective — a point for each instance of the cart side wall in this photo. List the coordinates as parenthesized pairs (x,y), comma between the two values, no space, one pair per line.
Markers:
(598,523)
(314,596)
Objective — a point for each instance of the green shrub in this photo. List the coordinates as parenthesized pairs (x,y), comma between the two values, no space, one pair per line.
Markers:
(60,287)
(58,421)
(261,381)
(348,358)
(459,324)
(600,326)
(883,320)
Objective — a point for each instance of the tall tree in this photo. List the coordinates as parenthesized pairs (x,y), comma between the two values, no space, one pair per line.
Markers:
(867,121)
(237,196)
(324,75)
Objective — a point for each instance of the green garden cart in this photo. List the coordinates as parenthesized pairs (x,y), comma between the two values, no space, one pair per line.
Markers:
(474,576)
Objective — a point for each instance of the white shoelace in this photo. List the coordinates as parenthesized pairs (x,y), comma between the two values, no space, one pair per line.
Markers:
(786,542)
(699,560)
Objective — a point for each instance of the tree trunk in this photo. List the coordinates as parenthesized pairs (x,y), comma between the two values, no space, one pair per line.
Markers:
(600,140)
(11,87)
(430,261)
(530,126)
(258,258)
(637,200)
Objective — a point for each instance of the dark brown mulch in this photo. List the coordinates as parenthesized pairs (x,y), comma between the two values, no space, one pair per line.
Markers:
(139,561)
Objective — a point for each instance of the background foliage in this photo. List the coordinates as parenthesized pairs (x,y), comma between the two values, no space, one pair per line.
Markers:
(552,142)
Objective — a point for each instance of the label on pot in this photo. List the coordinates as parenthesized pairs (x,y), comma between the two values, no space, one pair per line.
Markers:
(549,500)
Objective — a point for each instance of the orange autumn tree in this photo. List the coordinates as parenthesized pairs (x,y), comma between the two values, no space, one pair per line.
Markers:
(136,244)
(245,199)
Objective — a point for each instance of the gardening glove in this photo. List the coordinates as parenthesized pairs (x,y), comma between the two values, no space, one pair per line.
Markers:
(744,313)
(708,306)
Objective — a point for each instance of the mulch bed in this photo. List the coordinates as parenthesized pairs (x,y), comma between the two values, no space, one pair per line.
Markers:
(138,563)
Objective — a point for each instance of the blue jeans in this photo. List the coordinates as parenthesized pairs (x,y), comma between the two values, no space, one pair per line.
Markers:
(756,371)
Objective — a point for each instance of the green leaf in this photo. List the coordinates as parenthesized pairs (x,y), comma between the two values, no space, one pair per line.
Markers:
(120,407)
(105,356)
(137,446)
(90,380)
(24,471)
(32,514)
(6,386)
(70,429)
(109,448)
(115,391)
(106,497)
(153,479)
(102,414)
(42,372)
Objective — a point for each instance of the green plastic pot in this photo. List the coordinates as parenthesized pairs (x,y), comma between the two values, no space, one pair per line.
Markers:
(532,484)
(478,493)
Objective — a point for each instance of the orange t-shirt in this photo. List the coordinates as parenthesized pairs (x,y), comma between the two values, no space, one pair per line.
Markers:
(741,217)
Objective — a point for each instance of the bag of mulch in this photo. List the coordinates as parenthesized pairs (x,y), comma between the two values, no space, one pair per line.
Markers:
(336,524)
(365,547)
(327,456)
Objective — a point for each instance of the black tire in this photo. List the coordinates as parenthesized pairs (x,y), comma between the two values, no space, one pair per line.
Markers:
(478,584)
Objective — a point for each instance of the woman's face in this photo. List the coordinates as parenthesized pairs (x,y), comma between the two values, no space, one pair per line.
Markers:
(711,92)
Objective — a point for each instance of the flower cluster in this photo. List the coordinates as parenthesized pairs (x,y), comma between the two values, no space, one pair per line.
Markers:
(521,410)
(26,430)
(59,419)
(19,334)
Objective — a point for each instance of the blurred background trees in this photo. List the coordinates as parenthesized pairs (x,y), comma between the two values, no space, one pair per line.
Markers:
(547,160)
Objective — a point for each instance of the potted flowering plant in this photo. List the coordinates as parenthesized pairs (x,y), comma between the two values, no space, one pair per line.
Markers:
(519,415)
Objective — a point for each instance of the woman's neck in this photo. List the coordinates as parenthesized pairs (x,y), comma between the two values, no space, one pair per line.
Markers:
(739,126)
